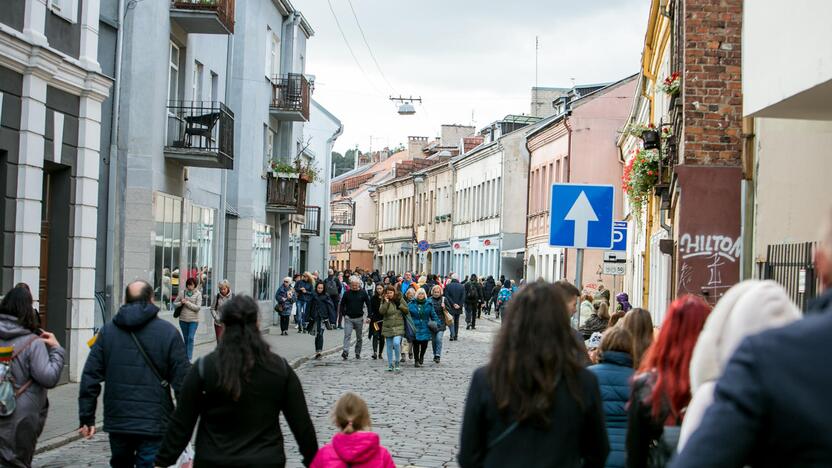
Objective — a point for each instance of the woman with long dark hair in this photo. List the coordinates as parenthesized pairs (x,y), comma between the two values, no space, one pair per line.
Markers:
(534,393)
(376,321)
(237,393)
(35,360)
(320,312)
(661,391)
(640,325)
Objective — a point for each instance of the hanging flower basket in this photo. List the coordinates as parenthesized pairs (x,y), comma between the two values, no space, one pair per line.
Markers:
(672,84)
(641,174)
(636,129)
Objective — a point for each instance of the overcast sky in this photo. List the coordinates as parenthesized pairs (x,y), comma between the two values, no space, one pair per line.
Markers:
(469,60)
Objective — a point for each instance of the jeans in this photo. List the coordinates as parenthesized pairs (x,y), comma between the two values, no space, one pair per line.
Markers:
(351,324)
(436,342)
(188,333)
(471,314)
(300,314)
(133,450)
(419,349)
(284,323)
(319,336)
(501,311)
(455,327)
(394,346)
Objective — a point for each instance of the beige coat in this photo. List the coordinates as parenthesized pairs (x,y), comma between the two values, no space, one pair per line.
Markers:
(190,309)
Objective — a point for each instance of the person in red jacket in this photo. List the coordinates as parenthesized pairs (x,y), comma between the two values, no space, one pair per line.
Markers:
(355,446)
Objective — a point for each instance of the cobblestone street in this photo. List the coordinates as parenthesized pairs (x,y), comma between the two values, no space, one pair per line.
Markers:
(417,413)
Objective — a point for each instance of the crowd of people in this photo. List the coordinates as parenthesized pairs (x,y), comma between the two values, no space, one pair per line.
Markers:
(568,382)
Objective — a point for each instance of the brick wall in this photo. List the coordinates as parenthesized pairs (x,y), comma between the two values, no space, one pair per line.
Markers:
(712,82)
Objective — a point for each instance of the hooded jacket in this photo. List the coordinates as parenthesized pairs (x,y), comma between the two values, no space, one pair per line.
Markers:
(422,312)
(455,294)
(391,313)
(134,400)
(746,309)
(356,450)
(19,432)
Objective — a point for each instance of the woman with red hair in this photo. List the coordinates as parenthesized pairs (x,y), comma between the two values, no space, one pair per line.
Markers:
(661,390)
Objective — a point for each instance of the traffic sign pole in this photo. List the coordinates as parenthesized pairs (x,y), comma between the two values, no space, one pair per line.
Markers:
(579,273)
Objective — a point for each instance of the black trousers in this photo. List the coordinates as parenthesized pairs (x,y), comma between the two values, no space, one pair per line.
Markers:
(419,349)
(284,323)
(471,309)
(377,340)
(455,333)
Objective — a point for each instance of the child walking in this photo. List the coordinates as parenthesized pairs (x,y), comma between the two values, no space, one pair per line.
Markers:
(355,446)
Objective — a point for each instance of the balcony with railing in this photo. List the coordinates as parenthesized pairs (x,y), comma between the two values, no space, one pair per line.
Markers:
(311,221)
(204,16)
(291,95)
(285,194)
(200,133)
(342,216)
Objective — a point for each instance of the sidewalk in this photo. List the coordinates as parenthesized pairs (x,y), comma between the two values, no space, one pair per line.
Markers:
(62,421)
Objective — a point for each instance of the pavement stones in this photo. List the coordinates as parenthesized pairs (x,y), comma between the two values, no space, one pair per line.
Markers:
(417,413)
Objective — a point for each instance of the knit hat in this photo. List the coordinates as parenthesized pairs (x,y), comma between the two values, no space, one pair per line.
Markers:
(748,308)
(594,341)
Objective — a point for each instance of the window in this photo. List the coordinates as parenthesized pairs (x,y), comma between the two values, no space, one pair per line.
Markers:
(173,74)
(261,261)
(167,213)
(272,53)
(197,82)
(558,177)
(215,87)
(199,253)
(268,145)
(66,9)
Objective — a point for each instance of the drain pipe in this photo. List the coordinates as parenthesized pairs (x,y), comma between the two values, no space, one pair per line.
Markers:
(112,173)
(219,259)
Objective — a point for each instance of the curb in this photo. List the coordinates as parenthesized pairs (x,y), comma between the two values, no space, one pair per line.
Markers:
(60,441)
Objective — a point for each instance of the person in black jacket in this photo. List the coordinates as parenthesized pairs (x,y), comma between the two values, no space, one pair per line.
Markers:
(321,312)
(473,296)
(488,294)
(237,393)
(455,296)
(137,400)
(510,416)
(352,309)
(376,320)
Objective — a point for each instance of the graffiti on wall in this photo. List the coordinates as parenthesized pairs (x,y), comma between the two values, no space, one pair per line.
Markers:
(709,255)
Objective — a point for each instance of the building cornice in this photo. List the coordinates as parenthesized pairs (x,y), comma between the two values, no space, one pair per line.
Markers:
(480,154)
(58,70)
(548,135)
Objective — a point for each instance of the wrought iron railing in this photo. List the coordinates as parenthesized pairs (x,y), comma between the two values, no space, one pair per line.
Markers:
(792,266)
(223,8)
(312,221)
(201,126)
(291,93)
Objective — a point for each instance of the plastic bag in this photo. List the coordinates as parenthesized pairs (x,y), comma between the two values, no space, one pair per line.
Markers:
(186,460)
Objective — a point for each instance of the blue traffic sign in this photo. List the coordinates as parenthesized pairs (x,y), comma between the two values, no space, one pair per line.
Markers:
(619,236)
(423,246)
(581,216)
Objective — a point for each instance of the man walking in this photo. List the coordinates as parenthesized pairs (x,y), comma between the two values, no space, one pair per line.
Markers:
(455,296)
(473,296)
(332,287)
(408,278)
(140,357)
(352,309)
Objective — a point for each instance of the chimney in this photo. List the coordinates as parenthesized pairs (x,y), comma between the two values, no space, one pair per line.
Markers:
(415,144)
(453,134)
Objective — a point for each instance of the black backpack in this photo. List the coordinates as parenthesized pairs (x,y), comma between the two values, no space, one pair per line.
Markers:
(331,287)
(471,291)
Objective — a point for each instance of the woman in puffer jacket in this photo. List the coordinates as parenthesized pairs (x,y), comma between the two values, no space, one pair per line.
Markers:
(421,310)
(614,371)
(746,309)
(36,366)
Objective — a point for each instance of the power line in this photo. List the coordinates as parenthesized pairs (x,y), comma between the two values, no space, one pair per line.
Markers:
(347,43)
(369,49)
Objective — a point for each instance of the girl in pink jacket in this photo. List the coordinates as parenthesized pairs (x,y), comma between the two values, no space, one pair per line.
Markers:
(355,446)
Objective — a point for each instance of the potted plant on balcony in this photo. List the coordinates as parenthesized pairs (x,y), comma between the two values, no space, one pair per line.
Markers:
(672,84)
(641,174)
(283,169)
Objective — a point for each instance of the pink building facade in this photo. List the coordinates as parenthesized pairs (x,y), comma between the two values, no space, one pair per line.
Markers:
(577,145)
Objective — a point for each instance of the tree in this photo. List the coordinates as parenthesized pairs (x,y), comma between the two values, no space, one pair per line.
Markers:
(343,163)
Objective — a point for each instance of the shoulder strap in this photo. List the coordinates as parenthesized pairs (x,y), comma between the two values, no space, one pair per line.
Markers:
(28,383)
(164,383)
(503,435)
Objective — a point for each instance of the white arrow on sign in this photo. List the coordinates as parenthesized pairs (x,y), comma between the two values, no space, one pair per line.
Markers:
(582,214)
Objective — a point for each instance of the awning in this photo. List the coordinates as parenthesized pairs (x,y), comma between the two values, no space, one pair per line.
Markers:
(513,253)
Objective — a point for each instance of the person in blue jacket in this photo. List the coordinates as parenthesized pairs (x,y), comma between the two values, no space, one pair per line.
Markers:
(421,311)
(303,293)
(614,371)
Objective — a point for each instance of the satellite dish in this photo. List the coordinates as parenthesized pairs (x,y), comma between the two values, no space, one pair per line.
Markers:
(407,109)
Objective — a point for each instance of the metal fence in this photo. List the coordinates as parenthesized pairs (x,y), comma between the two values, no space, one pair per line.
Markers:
(201,126)
(312,221)
(291,93)
(792,266)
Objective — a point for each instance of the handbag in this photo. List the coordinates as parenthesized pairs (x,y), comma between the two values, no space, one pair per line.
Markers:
(449,319)
(409,328)
(177,312)
(663,449)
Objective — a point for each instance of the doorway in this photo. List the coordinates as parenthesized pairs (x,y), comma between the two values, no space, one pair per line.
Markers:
(55,250)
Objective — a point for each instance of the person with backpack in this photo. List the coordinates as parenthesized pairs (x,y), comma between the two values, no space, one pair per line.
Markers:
(473,296)
(355,446)
(503,297)
(488,294)
(31,361)
(237,394)
(140,357)
(332,286)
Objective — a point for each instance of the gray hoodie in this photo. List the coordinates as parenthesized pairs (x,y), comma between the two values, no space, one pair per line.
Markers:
(19,432)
